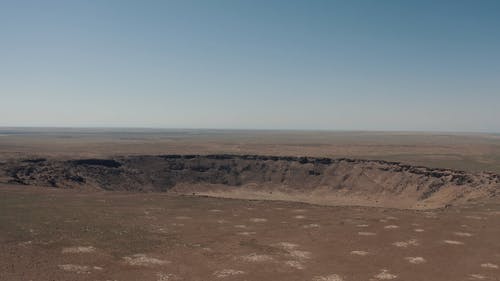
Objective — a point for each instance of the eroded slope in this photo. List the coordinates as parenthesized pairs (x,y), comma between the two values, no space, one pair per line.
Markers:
(318,180)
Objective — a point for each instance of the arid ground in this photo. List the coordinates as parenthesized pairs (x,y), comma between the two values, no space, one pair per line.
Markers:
(469,152)
(50,234)
(61,233)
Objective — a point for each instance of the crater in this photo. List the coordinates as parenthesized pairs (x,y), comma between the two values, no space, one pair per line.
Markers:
(338,181)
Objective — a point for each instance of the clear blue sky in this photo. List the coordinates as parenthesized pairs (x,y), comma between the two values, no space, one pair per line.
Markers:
(355,65)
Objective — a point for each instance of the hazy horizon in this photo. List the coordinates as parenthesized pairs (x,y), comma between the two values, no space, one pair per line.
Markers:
(422,66)
(174,129)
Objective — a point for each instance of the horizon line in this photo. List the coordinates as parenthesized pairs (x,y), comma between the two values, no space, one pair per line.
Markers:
(243,129)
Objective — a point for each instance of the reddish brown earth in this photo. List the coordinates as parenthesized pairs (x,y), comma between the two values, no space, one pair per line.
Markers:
(53,234)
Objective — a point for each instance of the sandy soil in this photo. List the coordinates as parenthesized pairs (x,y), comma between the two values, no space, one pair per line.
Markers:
(53,234)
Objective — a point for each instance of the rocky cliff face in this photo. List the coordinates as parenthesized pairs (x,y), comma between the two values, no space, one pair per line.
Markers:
(375,182)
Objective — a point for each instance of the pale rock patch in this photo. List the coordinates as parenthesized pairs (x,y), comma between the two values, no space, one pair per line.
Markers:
(295,264)
(300,217)
(144,260)
(363,233)
(463,234)
(453,242)
(489,265)
(392,226)
(331,277)
(257,258)
(477,277)
(474,217)
(301,255)
(312,225)
(78,249)
(415,260)
(166,276)
(79,269)
(25,244)
(385,275)
(359,253)
(258,220)
(182,218)
(405,244)
(161,230)
(247,233)
(227,272)
(287,245)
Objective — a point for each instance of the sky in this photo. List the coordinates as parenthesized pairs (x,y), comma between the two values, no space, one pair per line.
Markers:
(260,64)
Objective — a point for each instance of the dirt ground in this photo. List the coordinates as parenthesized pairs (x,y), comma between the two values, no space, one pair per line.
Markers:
(54,234)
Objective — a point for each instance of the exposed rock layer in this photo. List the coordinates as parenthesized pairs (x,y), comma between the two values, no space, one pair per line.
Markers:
(366,182)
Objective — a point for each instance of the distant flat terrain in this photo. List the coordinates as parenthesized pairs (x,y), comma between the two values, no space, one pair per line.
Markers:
(469,152)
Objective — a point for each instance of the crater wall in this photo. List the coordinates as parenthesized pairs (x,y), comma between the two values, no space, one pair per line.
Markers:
(317,180)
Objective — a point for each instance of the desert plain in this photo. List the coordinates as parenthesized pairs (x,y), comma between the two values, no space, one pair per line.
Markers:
(136,204)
